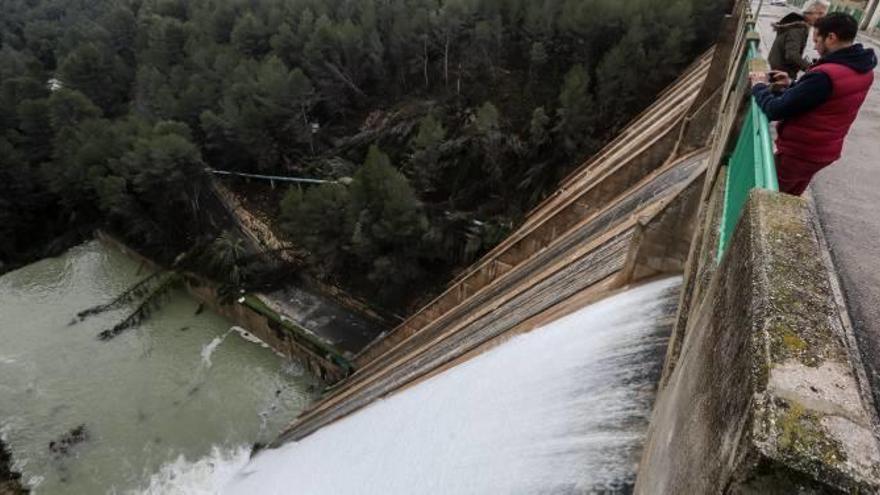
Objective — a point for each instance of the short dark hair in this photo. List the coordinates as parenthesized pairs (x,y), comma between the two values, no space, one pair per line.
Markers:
(843,25)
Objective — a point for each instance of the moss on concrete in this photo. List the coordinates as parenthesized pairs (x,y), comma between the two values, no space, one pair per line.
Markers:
(801,305)
(799,315)
(800,435)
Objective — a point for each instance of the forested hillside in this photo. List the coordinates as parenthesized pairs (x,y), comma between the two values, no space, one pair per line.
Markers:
(450,117)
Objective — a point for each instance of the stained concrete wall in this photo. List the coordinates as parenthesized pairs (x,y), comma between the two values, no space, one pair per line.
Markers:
(271,329)
(763,398)
(262,322)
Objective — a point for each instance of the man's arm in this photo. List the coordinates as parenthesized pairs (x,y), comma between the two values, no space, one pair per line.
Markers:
(810,91)
(793,52)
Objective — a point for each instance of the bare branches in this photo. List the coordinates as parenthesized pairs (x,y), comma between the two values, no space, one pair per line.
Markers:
(145,309)
(134,292)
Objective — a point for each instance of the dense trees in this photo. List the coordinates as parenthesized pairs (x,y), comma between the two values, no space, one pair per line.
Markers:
(110,109)
(376,225)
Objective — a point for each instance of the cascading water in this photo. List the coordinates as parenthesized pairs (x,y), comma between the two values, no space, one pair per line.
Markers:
(562,409)
(84,416)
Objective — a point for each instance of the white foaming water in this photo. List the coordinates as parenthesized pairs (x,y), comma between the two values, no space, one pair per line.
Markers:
(562,409)
(205,476)
(211,346)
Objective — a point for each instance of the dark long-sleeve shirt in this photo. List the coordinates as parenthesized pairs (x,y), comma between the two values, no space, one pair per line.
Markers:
(807,93)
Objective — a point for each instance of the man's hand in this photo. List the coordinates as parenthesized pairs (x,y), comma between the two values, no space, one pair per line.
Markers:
(758,78)
(780,79)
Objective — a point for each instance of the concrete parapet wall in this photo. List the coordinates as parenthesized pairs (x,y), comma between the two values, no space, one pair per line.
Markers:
(763,398)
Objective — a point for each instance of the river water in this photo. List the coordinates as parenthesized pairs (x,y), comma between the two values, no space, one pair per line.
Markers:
(177,390)
(560,410)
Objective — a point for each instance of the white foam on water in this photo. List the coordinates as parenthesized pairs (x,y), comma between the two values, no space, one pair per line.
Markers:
(209,348)
(293,367)
(205,476)
(33,482)
(562,409)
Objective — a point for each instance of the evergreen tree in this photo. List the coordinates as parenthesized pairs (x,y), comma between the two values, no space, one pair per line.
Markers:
(250,36)
(99,74)
(319,221)
(538,127)
(68,108)
(426,153)
(576,110)
(388,222)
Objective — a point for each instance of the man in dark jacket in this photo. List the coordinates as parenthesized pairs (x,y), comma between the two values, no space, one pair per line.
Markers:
(816,112)
(792,31)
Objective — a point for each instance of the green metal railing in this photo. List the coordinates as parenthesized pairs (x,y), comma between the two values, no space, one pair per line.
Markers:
(848,8)
(751,165)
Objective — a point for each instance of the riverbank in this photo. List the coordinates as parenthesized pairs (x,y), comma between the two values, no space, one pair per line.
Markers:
(298,324)
(10,481)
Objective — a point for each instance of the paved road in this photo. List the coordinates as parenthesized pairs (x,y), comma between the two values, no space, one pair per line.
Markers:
(847,198)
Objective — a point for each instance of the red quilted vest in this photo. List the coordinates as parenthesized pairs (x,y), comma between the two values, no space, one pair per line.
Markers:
(818,135)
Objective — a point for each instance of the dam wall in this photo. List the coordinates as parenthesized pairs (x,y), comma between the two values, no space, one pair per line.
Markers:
(763,396)
(762,389)
(626,215)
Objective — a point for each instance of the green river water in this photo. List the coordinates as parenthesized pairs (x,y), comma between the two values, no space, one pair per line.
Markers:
(174,389)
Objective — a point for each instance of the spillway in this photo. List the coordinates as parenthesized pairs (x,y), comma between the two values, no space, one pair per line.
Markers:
(562,409)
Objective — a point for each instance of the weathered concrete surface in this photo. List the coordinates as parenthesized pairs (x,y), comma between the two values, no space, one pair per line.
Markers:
(847,196)
(697,273)
(763,398)
(665,238)
(334,323)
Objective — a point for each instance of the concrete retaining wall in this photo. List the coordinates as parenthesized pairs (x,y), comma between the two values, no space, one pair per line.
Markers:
(763,397)
(255,317)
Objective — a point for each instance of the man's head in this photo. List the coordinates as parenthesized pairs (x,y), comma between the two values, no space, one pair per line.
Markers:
(815,11)
(833,32)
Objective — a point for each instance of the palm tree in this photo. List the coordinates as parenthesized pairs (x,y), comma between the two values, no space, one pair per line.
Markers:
(226,257)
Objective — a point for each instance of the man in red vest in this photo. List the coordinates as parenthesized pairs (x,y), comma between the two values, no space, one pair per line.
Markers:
(816,111)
